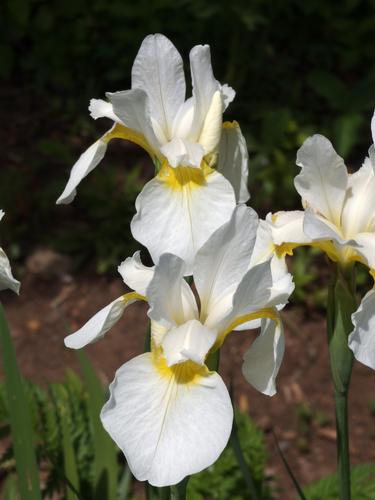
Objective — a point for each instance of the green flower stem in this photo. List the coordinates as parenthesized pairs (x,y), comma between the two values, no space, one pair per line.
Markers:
(341,305)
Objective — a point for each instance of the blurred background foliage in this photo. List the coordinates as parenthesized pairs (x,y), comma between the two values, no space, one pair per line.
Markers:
(297,67)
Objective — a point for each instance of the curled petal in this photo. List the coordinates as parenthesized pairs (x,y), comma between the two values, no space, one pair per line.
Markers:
(135,274)
(362,338)
(167,427)
(262,361)
(103,321)
(179,152)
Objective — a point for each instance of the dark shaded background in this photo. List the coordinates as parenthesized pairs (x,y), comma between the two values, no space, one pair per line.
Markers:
(297,67)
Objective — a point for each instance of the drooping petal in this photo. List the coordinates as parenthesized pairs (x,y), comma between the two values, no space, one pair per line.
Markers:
(178,211)
(365,247)
(319,228)
(167,428)
(190,341)
(262,361)
(359,211)
(131,107)
(233,160)
(83,166)
(204,86)
(158,71)
(101,322)
(223,260)
(362,339)
(135,274)
(323,179)
(171,300)
(6,277)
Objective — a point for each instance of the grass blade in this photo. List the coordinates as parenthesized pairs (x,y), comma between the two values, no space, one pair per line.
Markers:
(70,465)
(289,470)
(20,418)
(105,461)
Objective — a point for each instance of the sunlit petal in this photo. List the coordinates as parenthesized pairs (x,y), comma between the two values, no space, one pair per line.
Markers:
(362,339)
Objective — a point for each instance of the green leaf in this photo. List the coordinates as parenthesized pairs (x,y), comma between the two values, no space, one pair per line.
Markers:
(10,490)
(105,451)
(70,465)
(20,418)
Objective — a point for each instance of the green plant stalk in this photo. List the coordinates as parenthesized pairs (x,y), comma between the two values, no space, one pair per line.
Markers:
(20,418)
(341,304)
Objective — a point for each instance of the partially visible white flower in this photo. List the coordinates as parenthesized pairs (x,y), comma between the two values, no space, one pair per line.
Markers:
(6,278)
(168,413)
(188,199)
(339,218)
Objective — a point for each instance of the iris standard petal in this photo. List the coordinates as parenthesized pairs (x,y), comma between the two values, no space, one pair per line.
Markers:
(178,211)
(233,160)
(262,361)
(167,426)
(171,299)
(223,260)
(323,179)
(101,322)
(158,71)
(362,339)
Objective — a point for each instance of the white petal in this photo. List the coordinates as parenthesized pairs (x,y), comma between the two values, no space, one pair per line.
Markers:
(182,153)
(323,180)
(204,86)
(210,134)
(183,120)
(166,430)
(287,227)
(191,341)
(223,260)
(318,228)
(359,211)
(102,109)
(131,107)
(262,361)
(2,213)
(373,128)
(158,71)
(362,339)
(233,160)
(83,166)
(179,218)
(171,300)
(6,278)
(365,246)
(228,94)
(99,324)
(136,275)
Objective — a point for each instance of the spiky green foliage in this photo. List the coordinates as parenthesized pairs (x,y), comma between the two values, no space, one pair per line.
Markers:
(224,479)
(363,485)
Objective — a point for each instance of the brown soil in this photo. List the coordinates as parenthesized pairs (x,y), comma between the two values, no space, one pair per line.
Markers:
(46,309)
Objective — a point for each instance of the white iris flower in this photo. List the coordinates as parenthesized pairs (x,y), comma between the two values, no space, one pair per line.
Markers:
(339,218)
(6,278)
(169,414)
(188,199)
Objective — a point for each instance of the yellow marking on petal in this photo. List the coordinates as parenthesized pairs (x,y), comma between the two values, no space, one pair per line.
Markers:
(267,312)
(285,249)
(121,132)
(187,372)
(180,178)
(233,124)
(127,297)
(372,272)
